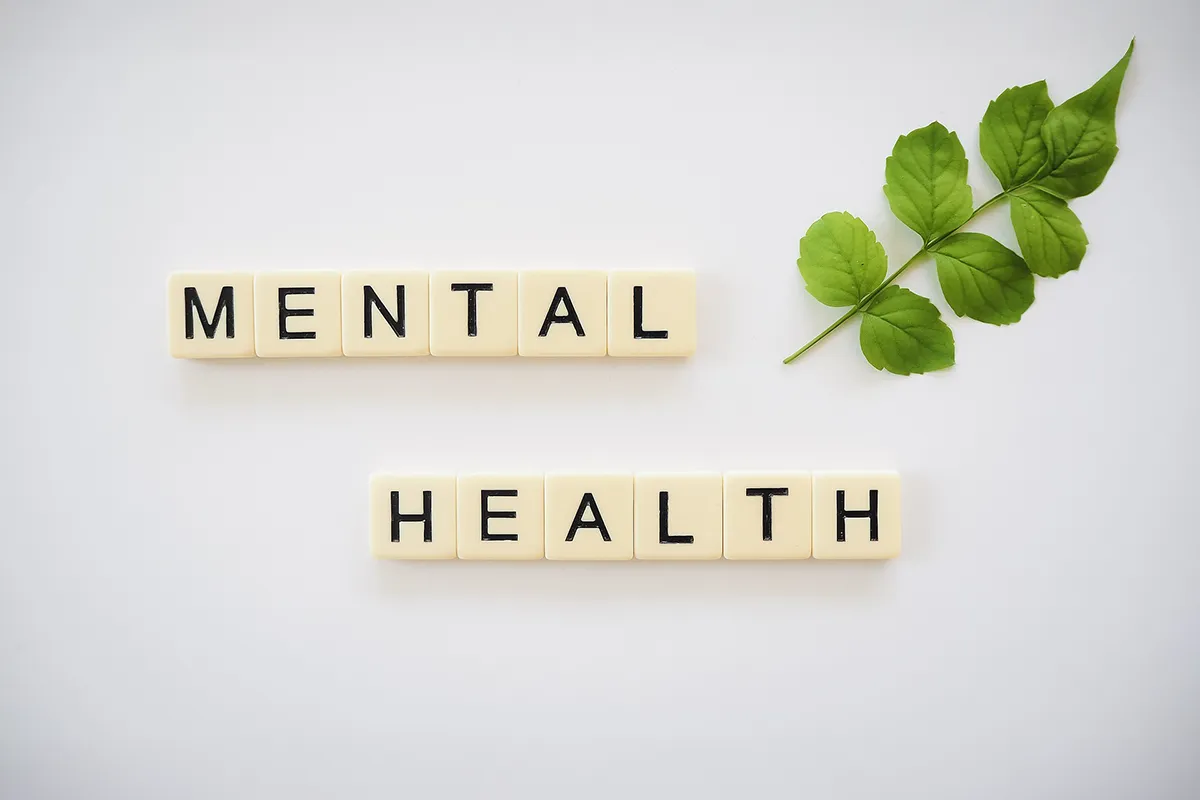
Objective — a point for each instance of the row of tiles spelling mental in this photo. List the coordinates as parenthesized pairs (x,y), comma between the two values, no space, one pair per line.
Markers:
(592,517)
(446,313)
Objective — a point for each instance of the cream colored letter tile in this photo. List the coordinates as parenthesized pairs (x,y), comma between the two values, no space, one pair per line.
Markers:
(512,526)
(652,313)
(473,313)
(385,313)
(211,314)
(297,314)
(677,516)
(413,516)
(869,511)
(563,313)
(589,517)
(768,515)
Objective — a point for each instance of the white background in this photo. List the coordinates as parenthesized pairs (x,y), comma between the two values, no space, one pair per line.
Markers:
(187,605)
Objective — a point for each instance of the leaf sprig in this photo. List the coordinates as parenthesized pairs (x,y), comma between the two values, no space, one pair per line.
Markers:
(1042,154)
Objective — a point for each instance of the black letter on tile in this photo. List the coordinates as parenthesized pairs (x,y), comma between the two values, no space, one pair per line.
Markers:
(638,333)
(285,312)
(766,495)
(426,515)
(561,296)
(191,303)
(472,290)
(486,513)
(597,520)
(663,536)
(396,323)
(871,513)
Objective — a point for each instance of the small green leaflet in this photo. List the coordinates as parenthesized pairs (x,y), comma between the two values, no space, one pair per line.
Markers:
(1043,155)
(927,181)
(982,279)
(1010,136)
(1081,136)
(1049,233)
(903,333)
(840,260)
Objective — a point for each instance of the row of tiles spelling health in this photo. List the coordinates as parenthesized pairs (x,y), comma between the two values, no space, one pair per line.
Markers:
(597,517)
(446,313)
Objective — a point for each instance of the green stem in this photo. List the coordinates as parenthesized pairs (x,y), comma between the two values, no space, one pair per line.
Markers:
(866,301)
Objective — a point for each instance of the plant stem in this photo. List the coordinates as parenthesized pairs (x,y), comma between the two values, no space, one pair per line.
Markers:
(866,301)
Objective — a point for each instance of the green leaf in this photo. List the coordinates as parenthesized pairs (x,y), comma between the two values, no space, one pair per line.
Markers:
(1081,136)
(1050,235)
(1010,135)
(903,333)
(982,279)
(840,260)
(927,181)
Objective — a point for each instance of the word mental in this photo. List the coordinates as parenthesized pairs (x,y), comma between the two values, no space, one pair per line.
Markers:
(655,516)
(565,313)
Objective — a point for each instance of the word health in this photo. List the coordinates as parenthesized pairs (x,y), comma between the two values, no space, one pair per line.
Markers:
(563,313)
(613,517)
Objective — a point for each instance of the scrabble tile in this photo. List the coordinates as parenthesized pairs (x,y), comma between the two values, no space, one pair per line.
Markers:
(589,517)
(500,517)
(856,515)
(652,313)
(473,313)
(768,515)
(677,516)
(211,314)
(297,314)
(413,516)
(385,313)
(562,313)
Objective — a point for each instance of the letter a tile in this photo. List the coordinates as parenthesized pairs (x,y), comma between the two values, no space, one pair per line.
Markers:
(563,313)
(856,515)
(589,517)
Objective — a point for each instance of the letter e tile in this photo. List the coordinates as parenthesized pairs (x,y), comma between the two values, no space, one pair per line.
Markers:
(500,517)
(297,314)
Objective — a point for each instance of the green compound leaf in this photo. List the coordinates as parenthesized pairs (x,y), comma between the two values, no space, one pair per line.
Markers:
(840,260)
(903,333)
(927,181)
(1010,135)
(1081,136)
(1050,235)
(1043,155)
(982,279)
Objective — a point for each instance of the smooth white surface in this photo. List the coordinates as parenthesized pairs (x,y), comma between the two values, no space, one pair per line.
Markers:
(188,608)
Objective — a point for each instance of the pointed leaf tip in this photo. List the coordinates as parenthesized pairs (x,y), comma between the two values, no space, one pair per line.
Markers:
(1081,136)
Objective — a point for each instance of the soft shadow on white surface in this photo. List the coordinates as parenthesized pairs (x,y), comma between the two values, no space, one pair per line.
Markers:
(566,584)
